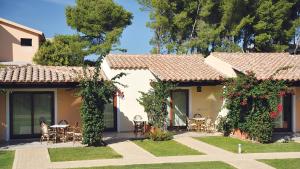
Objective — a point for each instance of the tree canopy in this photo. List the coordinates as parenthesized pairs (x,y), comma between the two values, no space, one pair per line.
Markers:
(99,24)
(62,50)
(202,26)
(99,21)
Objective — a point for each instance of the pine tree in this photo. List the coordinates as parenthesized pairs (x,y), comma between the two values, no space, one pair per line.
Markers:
(203,26)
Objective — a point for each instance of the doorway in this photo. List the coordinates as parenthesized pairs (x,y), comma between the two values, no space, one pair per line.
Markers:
(27,110)
(179,108)
(283,122)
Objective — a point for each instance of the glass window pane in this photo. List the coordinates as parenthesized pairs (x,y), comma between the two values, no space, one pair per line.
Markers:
(21,113)
(283,121)
(179,108)
(109,116)
(42,110)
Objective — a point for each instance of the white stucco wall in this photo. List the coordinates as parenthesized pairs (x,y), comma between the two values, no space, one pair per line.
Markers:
(136,80)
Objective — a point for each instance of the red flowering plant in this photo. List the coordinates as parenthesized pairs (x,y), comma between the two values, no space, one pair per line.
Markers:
(253,105)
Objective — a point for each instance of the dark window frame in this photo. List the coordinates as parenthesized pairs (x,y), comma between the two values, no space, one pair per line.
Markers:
(26,42)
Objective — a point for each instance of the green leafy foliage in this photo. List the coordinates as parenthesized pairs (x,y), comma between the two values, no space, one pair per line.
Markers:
(155,102)
(223,126)
(98,20)
(95,94)
(159,135)
(62,50)
(252,105)
(202,26)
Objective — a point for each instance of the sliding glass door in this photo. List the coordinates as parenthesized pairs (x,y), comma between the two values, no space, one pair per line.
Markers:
(283,122)
(27,110)
(179,108)
(110,115)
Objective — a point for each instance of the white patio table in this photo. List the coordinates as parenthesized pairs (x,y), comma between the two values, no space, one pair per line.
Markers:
(59,126)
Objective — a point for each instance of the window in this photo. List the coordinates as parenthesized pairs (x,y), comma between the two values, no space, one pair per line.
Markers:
(26,42)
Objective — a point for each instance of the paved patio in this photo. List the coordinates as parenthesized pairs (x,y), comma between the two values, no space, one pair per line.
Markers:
(109,137)
(35,156)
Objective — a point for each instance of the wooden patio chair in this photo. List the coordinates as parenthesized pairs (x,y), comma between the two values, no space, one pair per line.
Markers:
(46,133)
(139,125)
(63,122)
(191,125)
(77,133)
(197,115)
(209,125)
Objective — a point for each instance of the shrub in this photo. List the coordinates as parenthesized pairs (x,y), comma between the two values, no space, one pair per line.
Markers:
(253,105)
(223,126)
(160,135)
(95,93)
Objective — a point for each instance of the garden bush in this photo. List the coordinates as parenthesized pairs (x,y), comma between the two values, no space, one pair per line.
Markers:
(223,126)
(159,135)
(253,105)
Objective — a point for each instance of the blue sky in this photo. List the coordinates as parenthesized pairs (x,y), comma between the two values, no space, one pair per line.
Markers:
(48,16)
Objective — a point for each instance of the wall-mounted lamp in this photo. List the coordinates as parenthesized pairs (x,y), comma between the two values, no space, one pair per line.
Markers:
(199,89)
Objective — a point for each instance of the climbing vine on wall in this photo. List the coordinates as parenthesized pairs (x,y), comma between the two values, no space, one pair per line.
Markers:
(155,102)
(253,105)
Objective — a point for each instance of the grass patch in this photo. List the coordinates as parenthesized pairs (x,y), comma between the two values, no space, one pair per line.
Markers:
(82,153)
(166,148)
(231,144)
(6,159)
(283,163)
(198,165)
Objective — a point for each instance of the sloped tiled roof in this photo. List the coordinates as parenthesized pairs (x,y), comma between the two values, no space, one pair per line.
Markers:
(264,65)
(181,68)
(42,74)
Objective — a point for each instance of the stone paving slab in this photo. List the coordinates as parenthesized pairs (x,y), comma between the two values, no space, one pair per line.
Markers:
(203,147)
(31,158)
(282,155)
(130,150)
(248,164)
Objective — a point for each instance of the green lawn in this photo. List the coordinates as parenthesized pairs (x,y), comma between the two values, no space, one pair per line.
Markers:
(283,163)
(82,153)
(166,148)
(231,144)
(6,159)
(198,165)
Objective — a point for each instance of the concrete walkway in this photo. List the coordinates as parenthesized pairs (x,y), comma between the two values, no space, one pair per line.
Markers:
(237,160)
(38,158)
(129,150)
(31,158)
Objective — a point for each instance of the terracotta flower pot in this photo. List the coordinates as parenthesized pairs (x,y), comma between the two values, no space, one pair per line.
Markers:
(147,128)
(239,134)
(153,129)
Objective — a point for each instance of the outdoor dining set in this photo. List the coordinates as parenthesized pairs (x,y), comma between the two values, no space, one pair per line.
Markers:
(200,123)
(196,123)
(61,132)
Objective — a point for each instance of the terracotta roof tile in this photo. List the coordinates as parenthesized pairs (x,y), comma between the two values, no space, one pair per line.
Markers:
(43,74)
(167,67)
(264,65)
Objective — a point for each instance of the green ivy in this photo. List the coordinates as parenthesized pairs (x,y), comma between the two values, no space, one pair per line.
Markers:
(252,104)
(155,102)
(95,93)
